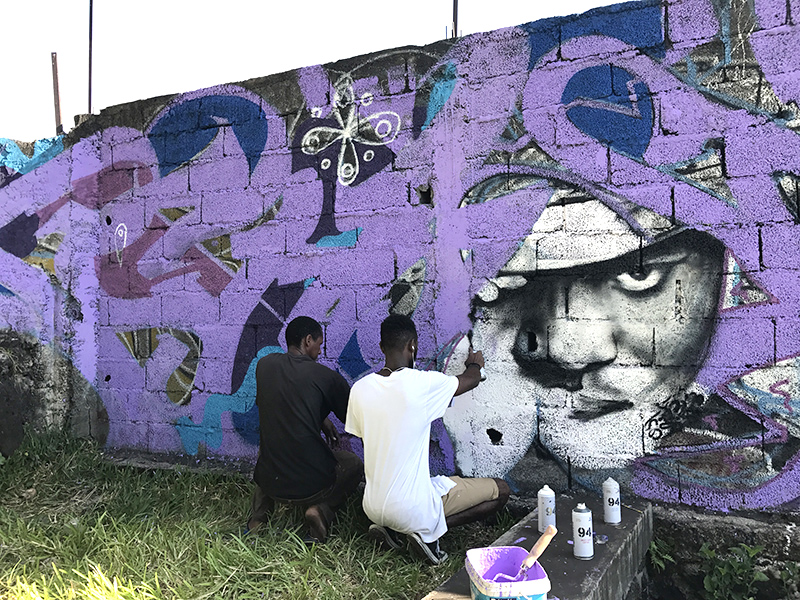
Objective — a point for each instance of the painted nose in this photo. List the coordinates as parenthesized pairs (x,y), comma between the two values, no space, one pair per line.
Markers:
(581,335)
(580,344)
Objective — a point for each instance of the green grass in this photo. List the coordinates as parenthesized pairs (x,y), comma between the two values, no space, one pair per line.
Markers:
(73,525)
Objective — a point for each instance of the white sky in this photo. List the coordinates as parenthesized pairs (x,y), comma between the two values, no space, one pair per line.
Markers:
(146,48)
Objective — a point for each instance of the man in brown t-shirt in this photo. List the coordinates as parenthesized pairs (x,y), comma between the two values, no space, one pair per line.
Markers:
(295,395)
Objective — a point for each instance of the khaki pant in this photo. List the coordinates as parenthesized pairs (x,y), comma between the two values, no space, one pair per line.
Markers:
(468,493)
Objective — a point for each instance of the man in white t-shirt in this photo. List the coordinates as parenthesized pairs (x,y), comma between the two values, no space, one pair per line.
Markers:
(392,411)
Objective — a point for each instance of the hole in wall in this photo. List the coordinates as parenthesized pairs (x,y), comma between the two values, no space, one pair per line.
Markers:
(425,193)
(108,377)
(532,343)
(495,436)
(108,220)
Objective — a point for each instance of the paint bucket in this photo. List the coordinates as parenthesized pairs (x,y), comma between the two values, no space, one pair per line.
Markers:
(485,564)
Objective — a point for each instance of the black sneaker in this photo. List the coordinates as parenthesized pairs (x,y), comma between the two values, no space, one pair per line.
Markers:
(429,552)
(384,536)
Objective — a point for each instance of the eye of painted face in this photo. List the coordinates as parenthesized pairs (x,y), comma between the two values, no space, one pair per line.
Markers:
(640,280)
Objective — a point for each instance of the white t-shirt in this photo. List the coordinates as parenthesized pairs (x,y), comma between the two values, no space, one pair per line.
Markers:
(393,416)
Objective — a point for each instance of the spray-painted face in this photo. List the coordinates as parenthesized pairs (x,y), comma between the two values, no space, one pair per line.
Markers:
(603,346)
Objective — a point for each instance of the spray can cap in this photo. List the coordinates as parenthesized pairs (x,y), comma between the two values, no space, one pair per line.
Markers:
(610,483)
(546,489)
(581,507)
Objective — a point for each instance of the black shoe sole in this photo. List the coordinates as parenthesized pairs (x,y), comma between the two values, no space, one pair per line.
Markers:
(380,535)
(421,550)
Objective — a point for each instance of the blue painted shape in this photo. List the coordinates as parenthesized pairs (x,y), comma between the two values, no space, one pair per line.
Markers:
(188,128)
(347,239)
(18,236)
(43,150)
(241,401)
(247,426)
(636,23)
(443,86)
(5,291)
(770,405)
(612,106)
(351,360)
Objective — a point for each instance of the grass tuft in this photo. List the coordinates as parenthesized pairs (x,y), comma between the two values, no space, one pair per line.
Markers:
(74,526)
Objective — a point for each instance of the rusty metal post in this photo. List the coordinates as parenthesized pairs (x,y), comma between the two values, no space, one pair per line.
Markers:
(455,19)
(56,97)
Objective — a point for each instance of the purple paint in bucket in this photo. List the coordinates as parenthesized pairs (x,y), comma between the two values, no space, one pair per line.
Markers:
(485,564)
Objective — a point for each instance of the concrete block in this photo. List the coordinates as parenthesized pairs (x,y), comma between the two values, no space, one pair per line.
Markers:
(774,50)
(121,374)
(691,21)
(181,309)
(782,283)
(235,307)
(163,438)
(355,267)
(231,207)
(274,168)
(230,173)
(394,193)
(135,313)
(757,350)
(771,13)
(779,243)
(127,434)
(388,229)
(132,214)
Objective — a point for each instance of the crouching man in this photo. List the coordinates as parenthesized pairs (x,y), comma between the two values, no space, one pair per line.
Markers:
(295,395)
(392,411)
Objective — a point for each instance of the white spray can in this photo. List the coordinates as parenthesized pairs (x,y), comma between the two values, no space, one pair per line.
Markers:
(612,513)
(547,508)
(582,541)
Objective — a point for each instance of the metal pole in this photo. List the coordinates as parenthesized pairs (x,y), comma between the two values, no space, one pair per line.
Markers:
(91,12)
(455,18)
(56,97)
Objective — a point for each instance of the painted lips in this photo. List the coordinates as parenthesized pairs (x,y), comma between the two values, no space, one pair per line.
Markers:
(588,408)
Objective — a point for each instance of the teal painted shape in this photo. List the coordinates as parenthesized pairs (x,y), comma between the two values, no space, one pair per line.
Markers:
(347,239)
(440,94)
(43,150)
(210,430)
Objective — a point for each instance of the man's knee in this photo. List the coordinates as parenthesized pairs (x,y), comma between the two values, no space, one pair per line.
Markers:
(350,466)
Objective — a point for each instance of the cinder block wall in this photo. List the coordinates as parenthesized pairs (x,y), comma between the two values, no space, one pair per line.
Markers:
(605,204)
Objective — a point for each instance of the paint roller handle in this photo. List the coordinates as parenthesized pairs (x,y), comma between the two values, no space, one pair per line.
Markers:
(539,547)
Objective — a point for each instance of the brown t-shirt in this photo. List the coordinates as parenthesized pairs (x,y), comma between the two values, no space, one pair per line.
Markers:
(294,394)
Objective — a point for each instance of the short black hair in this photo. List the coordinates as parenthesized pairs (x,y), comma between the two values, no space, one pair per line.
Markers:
(396,331)
(299,328)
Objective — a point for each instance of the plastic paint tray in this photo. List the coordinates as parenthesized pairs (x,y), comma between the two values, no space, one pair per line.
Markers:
(484,564)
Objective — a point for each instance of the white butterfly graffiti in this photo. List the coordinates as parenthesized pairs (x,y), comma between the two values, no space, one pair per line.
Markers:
(377,129)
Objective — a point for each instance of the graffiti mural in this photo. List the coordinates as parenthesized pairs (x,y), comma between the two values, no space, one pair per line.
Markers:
(606,204)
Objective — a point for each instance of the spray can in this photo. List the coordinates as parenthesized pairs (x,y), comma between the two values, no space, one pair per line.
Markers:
(612,513)
(582,541)
(547,508)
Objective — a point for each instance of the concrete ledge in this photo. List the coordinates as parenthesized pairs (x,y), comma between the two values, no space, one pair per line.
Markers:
(606,577)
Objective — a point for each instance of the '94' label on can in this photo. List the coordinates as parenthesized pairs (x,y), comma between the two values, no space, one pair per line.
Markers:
(582,532)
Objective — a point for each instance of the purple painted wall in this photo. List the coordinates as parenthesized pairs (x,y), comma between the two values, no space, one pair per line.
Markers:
(606,203)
